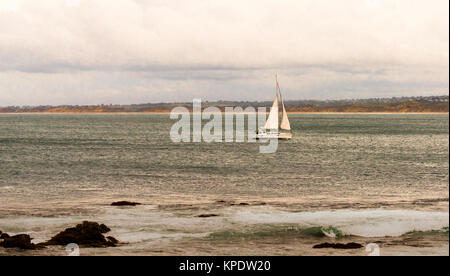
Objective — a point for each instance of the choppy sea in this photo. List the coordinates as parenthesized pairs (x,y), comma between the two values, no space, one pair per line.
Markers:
(367,178)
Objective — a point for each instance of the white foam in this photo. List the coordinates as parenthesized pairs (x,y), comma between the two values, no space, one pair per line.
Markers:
(146,223)
(39,228)
(365,223)
(136,237)
(7,187)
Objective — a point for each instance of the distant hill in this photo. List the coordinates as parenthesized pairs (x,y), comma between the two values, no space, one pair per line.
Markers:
(431,104)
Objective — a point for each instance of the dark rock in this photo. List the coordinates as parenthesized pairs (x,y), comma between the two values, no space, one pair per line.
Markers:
(21,241)
(125,203)
(207,215)
(243,204)
(88,234)
(3,235)
(102,228)
(112,240)
(324,245)
(225,202)
(351,245)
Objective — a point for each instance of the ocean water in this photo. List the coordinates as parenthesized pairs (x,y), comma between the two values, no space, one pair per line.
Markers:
(353,177)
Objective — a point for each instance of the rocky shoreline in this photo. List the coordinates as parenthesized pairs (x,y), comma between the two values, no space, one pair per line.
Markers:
(85,234)
(91,235)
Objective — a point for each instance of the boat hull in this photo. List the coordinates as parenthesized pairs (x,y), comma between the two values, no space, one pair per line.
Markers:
(279,136)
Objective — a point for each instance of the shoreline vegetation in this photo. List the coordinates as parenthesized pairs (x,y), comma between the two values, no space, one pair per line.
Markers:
(432,104)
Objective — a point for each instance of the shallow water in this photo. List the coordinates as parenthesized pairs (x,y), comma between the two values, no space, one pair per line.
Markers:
(372,177)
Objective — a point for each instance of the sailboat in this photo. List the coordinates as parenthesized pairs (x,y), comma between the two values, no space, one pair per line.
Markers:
(271,129)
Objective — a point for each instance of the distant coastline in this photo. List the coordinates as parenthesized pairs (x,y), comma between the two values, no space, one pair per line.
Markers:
(168,112)
(431,104)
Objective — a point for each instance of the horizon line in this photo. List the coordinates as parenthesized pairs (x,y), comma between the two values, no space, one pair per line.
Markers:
(219,101)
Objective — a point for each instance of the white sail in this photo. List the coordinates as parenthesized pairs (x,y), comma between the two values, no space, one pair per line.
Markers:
(285,120)
(272,120)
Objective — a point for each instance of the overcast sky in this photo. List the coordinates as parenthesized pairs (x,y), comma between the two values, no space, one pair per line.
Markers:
(137,51)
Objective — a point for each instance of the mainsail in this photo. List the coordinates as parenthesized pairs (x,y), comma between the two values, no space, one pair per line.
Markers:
(271,130)
(272,120)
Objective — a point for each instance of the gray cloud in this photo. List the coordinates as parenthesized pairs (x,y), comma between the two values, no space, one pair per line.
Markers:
(127,51)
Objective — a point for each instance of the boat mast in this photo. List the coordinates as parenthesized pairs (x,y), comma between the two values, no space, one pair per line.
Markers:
(272,122)
(284,119)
